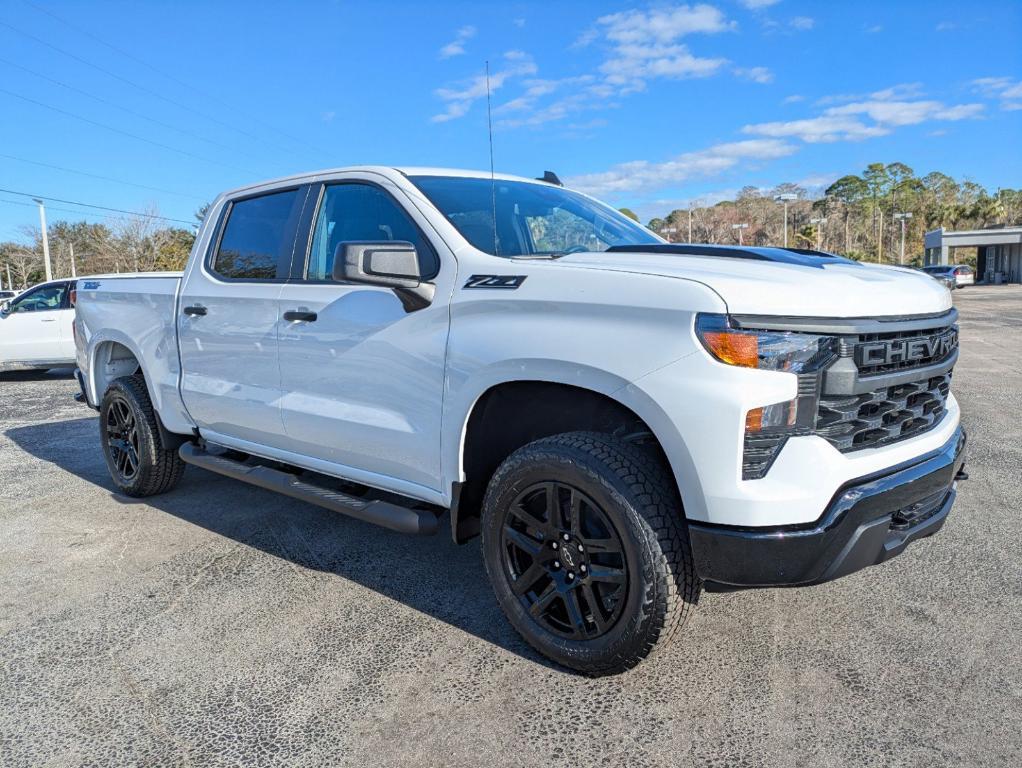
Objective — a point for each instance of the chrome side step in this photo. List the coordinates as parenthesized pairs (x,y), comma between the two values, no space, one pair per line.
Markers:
(376,511)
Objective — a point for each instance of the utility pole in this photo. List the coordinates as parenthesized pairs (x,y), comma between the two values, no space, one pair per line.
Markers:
(46,242)
(689,222)
(71,253)
(739,227)
(901,217)
(819,230)
(10,284)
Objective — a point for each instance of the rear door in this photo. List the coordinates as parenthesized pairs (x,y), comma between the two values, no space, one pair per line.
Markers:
(363,376)
(36,325)
(228,319)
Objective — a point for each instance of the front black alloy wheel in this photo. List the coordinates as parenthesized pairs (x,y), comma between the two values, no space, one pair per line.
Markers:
(586,547)
(565,560)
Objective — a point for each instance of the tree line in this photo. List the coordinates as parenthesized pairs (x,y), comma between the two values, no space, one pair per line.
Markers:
(135,243)
(855,216)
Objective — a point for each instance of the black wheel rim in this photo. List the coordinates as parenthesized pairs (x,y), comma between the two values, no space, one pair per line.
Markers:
(122,439)
(565,561)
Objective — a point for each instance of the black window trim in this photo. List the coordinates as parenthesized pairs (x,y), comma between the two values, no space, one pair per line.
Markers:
(307,228)
(283,275)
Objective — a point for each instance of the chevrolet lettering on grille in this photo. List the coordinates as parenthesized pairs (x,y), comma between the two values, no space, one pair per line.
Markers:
(935,347)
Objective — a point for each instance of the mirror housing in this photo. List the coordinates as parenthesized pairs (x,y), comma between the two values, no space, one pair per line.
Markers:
(386,263)
(5,307)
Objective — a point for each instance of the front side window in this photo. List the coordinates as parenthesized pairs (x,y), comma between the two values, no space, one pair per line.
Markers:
(352,212)
(518,218)
(41,299)
(259,236)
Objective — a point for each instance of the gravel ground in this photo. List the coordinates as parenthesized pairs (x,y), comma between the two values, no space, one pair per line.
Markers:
(225,625)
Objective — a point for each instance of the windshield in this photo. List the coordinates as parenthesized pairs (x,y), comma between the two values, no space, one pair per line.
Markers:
(532,219)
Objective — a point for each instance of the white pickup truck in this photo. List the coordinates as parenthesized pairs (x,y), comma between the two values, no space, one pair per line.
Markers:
(621,419)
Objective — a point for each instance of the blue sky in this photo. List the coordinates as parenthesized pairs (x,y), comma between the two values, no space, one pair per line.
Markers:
(645,105)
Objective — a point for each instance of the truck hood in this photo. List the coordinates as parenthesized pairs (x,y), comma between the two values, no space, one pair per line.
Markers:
(789,284)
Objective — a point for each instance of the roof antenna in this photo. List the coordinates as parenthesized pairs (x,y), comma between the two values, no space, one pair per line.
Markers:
(493,182)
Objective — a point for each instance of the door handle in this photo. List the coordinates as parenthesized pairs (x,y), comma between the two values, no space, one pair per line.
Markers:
(300,315)
(49,319)
(195,310)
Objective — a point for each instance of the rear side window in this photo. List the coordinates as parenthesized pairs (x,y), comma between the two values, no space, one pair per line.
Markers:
(259,236)
(353,211)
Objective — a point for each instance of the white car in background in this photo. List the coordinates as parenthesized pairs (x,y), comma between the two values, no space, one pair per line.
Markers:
(962,274)
(36,328)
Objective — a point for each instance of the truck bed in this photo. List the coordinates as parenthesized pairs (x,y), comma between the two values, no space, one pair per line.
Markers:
(136,312)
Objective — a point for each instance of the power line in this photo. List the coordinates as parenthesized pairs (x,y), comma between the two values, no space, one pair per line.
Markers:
(160,72)
(98,207)
(130,111)
(122,132)
(98,176)
(50,208)
(133,84)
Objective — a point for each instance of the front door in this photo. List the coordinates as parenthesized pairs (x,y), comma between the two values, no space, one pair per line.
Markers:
(227,323)
(362,379)
(36,327)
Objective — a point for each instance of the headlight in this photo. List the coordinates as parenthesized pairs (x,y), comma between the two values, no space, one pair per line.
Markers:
(767,350)
(768,427)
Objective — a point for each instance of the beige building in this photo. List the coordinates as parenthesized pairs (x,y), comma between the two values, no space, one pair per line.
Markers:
(999,251)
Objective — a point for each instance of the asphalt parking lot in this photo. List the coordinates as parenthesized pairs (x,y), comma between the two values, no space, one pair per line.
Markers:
(224,625)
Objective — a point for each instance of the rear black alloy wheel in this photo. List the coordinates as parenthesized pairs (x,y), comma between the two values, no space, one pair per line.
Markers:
(585,544)
(122,438)
(129,429)
(565,560)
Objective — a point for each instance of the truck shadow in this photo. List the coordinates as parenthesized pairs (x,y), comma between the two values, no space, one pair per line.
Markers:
(429,574)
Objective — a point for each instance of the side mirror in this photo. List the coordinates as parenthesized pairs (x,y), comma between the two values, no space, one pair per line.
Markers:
(388,263)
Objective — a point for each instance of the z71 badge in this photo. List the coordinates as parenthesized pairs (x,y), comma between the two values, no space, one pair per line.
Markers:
(507,282)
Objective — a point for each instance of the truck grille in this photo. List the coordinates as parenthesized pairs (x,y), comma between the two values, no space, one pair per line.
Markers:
(885,415)
(895,351)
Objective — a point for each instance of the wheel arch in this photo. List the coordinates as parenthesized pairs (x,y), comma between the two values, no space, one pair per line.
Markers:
(510,413)
(113,358)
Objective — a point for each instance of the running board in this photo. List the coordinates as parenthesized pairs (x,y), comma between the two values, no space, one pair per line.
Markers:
(378,512)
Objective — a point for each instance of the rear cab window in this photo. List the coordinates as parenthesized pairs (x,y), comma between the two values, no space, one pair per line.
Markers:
(257,239)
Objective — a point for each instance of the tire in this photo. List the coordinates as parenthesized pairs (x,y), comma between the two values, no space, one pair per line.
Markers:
(139,464)
(569,601)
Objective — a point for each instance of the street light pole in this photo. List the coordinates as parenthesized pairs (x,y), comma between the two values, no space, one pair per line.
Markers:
(739,227)
(46,242)
(902,217)
(785,198)
(819,230)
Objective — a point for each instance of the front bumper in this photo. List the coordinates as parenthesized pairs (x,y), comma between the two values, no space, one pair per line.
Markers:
(868,521)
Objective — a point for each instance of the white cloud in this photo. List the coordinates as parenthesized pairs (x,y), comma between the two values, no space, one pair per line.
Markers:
(876,28)
(756,74)
(802,23)
(646,44)
(459,100)
(457,46)
(817,130)
(642,176)
(793,99)
(945,26)
(755,5)
(848,122)
(1006,89)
